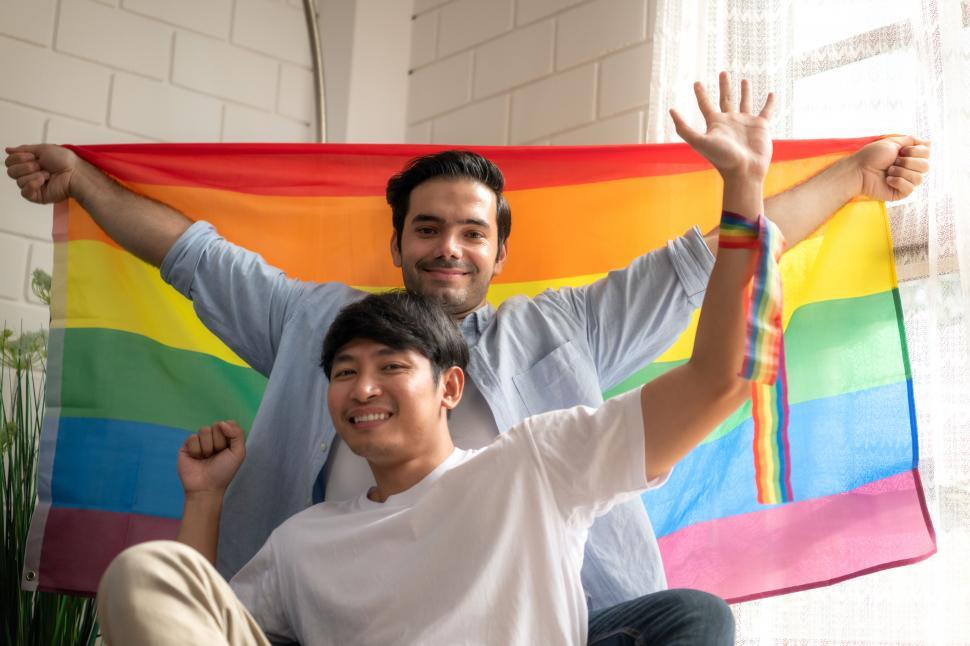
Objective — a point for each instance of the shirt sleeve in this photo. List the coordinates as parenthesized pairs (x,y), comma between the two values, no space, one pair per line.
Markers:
(634,314)
(592,458)
(243,300)
(257,586)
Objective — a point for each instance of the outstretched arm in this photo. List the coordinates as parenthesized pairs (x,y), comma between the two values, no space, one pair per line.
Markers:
(888,169)
(681,407)
(207,463)
(46,173)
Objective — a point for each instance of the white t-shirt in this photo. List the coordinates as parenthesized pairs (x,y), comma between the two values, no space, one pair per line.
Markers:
(472,427)
(486,549)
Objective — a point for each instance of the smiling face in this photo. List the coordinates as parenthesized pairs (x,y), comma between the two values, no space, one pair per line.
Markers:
(387,405)
(449,248)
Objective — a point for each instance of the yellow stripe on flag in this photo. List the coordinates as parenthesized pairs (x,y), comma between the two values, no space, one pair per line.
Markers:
(143,304)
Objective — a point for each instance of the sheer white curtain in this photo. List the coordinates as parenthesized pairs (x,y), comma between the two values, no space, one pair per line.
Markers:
(843,69)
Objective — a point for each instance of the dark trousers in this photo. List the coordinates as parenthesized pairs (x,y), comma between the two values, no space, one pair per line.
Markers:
(668,617)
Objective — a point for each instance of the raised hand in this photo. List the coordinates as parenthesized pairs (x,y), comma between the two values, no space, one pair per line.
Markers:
(43,171)
(737,142)
(209,459)
(893,167)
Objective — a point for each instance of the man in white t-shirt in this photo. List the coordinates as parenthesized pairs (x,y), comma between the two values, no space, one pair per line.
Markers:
(453,547)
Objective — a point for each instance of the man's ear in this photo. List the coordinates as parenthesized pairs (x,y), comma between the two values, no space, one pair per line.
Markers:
(453,380)
(503,255)
(395,249)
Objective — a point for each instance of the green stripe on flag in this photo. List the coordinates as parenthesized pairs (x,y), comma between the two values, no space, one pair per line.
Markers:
(141,380)
(831,347)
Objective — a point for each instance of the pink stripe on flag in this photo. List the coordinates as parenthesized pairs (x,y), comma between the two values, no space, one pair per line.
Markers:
(805,544)
(80,543)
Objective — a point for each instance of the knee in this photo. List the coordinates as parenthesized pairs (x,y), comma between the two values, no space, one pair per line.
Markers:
(141,565)
(709,614)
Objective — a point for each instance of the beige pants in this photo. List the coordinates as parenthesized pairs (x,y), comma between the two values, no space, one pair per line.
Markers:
(163,592)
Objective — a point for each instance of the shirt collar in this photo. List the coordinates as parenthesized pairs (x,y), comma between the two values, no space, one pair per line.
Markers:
(473,325)
(410,496)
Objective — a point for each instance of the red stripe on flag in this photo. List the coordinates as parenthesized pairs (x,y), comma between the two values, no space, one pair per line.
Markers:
(360,169)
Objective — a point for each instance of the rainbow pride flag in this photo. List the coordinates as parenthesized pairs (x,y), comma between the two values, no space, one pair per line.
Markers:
(132,371)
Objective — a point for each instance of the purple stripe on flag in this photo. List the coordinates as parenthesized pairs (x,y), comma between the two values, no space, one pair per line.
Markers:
(80,543)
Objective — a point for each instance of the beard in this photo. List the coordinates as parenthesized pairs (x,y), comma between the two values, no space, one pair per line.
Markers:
(456,301)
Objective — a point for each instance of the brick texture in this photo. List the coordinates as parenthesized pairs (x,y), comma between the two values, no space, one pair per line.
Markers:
(625,80)
(560,72)
(119,39)
(277,30)
(31,20)
(246,124)
(483,124)
(529,10)
(214,67)
(13,260)
(521,56)
(296,97)
(211,17)
(553,104)
(467,22)
(127,71)
(440,87)
(622,129)
(419,133)
(597,28)
(420,6)
(53,82)
(163,112)
(424,39)
(61,130)
(20,125)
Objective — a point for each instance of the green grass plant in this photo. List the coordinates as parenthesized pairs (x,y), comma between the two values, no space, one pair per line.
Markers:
(28,618)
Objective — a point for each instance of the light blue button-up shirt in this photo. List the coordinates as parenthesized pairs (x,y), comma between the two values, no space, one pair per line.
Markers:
(560,349)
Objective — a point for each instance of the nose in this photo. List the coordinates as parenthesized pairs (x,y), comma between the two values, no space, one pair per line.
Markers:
(449,246)
(365,388)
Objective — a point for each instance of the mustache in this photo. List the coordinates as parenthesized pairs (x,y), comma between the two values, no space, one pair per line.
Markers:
(441,263)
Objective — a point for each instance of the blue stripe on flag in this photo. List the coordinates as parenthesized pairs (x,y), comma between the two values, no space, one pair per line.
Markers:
(116,465)
(837,444)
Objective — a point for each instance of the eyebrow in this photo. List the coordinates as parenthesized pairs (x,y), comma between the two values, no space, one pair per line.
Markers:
(383,352)
(342,358)
(426,217)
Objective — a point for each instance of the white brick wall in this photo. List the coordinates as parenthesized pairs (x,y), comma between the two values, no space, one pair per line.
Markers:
(554,104)
(229,72)
(441,86)
(123,71)
(477,123)
(114,38)
(556,72)
(467,22)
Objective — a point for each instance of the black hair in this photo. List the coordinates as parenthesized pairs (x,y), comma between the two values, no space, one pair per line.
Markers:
(400,320)
(449,164)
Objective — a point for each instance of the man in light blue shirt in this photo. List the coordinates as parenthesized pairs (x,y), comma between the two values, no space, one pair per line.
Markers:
(557,350)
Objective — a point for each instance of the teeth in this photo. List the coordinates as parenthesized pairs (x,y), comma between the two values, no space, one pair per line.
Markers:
(372,417)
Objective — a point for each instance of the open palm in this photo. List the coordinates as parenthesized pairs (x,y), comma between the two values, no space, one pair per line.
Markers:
(736,142)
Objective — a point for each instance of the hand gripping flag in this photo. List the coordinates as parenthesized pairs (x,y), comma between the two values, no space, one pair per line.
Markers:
(132,371)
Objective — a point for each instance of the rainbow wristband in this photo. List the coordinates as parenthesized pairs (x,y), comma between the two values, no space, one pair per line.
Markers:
(764,353)
(763,335)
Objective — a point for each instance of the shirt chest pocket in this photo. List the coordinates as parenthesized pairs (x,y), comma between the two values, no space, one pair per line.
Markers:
(562,379)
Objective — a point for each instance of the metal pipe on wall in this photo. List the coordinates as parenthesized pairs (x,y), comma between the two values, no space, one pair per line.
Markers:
(313,28)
